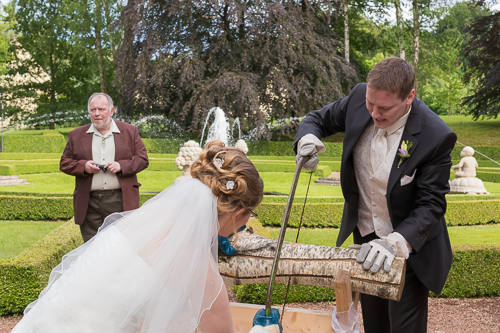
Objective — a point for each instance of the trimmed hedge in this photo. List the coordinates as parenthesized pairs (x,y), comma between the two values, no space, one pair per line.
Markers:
(492,152)
(474,273)
(163,146)
(320,211)
(28,169)
(319,215)
(487,176)
(24,276)
(53,143)
(35,208)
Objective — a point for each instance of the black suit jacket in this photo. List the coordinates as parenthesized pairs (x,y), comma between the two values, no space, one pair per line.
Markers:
(416,209)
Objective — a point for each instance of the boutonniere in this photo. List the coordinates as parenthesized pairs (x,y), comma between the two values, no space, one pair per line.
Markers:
(403,151)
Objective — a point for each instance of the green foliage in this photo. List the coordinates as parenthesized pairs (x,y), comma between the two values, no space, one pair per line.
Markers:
(35,208)
(491,152)
(321,215)
(34,143)
(28,167)
(316,215)
(256,293)
(24,276)
(474,272)
(163,146)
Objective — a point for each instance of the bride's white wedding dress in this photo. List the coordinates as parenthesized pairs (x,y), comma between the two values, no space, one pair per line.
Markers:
(149,270)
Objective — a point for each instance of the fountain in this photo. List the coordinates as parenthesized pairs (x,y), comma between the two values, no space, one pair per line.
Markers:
(220,130)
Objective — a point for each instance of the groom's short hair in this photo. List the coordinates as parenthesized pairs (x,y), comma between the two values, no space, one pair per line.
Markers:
(392,74)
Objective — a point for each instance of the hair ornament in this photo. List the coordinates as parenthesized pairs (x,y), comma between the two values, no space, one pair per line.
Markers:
(218,162)
(230,185)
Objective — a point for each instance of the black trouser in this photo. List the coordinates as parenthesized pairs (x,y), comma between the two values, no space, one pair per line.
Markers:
(101,204)
(409,315)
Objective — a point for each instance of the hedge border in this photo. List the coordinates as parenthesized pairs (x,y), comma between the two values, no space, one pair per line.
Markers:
(23,277)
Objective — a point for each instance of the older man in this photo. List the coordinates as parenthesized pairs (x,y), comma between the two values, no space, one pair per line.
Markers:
(394,176)
(105,157)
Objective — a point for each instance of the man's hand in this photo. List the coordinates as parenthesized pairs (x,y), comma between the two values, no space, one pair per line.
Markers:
(90,167)
(376,254)
(309,146)
(113,167)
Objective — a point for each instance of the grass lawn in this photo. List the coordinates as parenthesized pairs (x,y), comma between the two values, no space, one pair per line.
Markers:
(469,235)
(475,133)
(157,181)
(16,236)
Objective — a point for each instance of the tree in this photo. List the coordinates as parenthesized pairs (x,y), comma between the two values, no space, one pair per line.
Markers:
(43,33)
(258,61)
(94,25)
(445,91)
(483,49)
(399,21)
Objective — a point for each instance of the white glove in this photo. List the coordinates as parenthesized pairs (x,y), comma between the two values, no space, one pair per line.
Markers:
(267,329)
(399,243)
(376,254)
(309,145)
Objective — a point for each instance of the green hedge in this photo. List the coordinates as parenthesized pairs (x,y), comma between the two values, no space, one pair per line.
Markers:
(492,152)
(35,208)
(474,273)
(53,143)
(318,215)
(488,176)
(24,276)
(163,146)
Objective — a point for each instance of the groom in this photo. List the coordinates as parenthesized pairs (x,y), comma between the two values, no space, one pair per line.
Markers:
(394,177)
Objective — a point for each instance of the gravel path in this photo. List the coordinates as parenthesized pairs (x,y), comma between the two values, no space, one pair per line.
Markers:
(446,315)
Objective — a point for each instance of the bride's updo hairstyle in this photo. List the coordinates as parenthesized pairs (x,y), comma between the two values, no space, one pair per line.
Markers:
(231,176)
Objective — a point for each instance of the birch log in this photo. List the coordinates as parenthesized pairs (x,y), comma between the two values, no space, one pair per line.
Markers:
(307,265)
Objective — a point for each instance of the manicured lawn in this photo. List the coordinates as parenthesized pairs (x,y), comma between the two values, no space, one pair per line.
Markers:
(475,133)
(16,236)
(470,235)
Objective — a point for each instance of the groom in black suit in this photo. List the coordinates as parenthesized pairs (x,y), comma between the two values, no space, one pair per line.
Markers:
(394,176)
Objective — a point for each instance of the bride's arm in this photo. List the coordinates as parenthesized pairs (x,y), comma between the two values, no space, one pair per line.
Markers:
(218,319)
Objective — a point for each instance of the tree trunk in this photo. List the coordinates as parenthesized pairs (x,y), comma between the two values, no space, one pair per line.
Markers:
(52,92)
(306,264)
(416,33)
(108,27)
(98,47)
(399,19)
(346,30)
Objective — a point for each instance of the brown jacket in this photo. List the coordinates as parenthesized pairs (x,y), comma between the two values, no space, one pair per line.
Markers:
(130,152)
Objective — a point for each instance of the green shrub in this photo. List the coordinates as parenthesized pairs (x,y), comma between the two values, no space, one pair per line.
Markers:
(163,146)
(30,156)
(325,212)
(284,148)
(34,143)
(490,151)
(24,276)
(35,208)
(473,212)
(487,176)
(474,272)
(322,171)
(316,215)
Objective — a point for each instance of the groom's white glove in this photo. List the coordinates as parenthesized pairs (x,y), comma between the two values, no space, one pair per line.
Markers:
(376,254)
(381,252)
(267,329)
(309,146)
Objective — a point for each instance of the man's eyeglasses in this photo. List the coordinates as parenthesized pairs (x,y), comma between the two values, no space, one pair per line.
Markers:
(252,214)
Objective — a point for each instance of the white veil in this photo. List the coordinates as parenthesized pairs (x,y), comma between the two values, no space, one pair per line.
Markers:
(153,269)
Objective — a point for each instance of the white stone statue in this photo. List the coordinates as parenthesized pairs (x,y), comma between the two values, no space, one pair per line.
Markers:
(241,145)
(465,175)
(187,155)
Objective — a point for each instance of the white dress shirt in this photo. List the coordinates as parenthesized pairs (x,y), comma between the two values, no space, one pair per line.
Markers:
(103,151)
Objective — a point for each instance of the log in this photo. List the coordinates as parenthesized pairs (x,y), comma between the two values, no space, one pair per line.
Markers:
(307,265)
(343,290)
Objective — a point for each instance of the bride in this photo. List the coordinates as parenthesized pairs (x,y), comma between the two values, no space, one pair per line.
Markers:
(154,269)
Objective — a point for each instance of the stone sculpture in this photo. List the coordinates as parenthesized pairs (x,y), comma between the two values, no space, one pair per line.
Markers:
(465,175)
(187,155)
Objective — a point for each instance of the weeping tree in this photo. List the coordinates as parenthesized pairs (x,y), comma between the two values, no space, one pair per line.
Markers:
(257,60)
(483,50)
